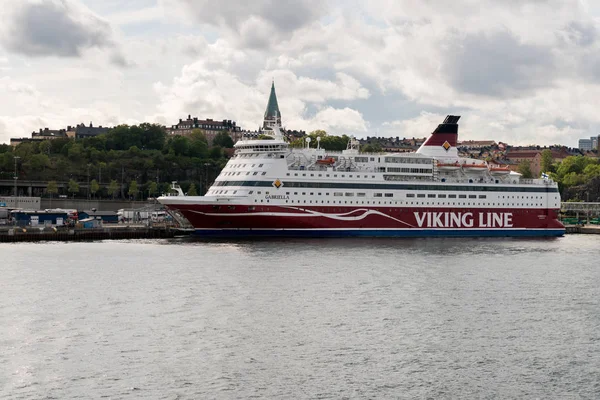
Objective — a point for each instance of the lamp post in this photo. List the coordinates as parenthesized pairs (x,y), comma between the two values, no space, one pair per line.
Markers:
(16,176)
(88,182)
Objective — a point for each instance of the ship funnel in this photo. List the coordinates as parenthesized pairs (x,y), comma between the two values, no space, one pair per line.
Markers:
(443,140)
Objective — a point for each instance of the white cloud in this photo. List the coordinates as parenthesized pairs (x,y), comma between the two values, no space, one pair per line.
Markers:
(517,71)
(61,28)
(209,88)
(255,24)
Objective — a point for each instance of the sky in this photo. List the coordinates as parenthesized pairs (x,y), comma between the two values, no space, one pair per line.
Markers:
(517,71)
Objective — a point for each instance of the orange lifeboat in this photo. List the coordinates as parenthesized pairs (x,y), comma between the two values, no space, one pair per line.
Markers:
(326,161)
(499,170)
(448,166)
(474,168)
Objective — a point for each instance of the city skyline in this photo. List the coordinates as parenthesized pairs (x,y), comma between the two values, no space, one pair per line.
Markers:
(389,68)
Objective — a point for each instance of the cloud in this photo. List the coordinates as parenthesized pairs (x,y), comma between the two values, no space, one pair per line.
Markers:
(253,24)
(25,108)
(497,64)
(61,28)
(211,88)
(520,71)
(333,120)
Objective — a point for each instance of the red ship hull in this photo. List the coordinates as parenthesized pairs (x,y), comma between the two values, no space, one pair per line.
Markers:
(319,221)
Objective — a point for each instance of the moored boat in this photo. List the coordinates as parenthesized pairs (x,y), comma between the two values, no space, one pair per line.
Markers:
(270,189)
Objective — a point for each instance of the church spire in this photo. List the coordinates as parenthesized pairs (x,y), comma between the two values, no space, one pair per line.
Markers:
(272,114)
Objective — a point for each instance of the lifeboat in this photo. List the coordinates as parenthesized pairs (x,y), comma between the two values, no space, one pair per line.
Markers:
(474,168)
(326,161)
(499,170)
(448,166)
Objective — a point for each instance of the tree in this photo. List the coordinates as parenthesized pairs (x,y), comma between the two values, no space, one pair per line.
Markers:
(192,191)
(223,139)
(113,188)
(198,145)
(73,187)
(318,132)
(525,169)
(372,148)
(152,188)
(198,134)
(94,187)
(547,161)
(215,153)
(75,152)
(153,136)
(133,189)
(262,136)
(51,188)
(180,145)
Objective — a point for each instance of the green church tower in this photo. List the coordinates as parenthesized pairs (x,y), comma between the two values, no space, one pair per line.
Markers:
(272,114)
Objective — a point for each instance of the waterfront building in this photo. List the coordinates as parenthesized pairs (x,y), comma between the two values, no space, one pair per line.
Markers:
(208,126)
(39,218)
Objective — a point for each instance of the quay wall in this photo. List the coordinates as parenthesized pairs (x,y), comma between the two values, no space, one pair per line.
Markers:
(89,234)
(100,205)
(587,229)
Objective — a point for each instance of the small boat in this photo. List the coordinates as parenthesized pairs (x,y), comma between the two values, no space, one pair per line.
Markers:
(474,168)
(326,161)
(448,166)
(499,170)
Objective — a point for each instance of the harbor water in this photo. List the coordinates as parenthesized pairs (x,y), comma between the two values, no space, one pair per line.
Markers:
(295,319)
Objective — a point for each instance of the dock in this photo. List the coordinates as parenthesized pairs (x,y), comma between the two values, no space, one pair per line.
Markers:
(64,234)
(585,229)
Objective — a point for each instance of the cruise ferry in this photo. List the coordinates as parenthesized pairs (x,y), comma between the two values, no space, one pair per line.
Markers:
(271,189)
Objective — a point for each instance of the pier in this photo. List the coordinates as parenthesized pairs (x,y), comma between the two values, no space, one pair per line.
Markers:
(120,232)
(586,229)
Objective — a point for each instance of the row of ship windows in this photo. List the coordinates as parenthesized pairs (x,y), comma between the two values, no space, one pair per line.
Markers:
(247,173)
(327,210)
(385,186)
(423,203)
(334,175)
(262,147)
(410,170)
(244,165)
(248,155)
(408,160)
(409,195)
